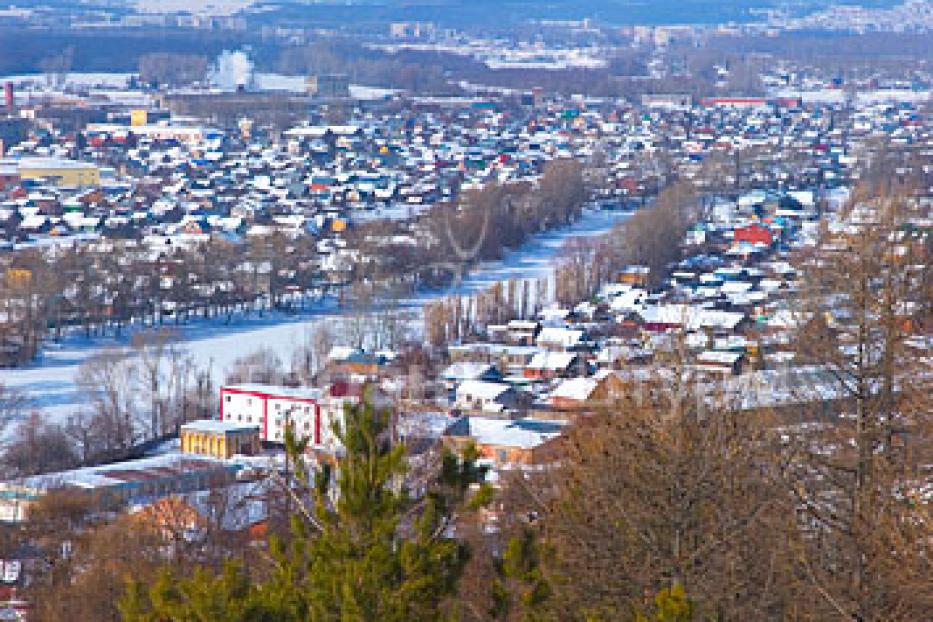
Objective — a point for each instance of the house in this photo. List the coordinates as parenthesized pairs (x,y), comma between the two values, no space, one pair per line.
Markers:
(467,370)
(508,443)
(420,431)
(555,316)
(662,318)
(560,338)
(243,507)
(486,396)
(636,276)
(573,394)
(753,234)
(614,355)
(522,332)
(548,364)
(724,362)
(352,360)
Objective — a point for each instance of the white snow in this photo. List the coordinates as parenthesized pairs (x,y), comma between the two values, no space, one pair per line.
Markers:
(50,382)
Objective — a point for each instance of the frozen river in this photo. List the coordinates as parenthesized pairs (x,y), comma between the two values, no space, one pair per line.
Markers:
(50,381)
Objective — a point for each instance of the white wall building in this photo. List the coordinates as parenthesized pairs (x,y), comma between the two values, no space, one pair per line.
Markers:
(311,412)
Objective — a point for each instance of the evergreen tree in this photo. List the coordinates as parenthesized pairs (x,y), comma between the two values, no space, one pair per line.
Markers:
(521,591)
(369,552)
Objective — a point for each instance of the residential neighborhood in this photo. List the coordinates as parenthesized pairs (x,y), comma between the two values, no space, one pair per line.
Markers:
(483,348)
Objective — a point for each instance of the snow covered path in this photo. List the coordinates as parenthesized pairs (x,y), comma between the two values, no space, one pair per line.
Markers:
(50,381)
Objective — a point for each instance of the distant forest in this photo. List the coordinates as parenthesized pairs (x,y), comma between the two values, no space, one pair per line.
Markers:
(36,51)
(62,51)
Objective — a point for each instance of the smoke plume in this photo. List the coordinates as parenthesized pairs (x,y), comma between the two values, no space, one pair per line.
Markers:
(231,70)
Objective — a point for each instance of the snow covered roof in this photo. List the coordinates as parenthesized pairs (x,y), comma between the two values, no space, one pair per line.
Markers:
(577,389)
(423,424)
(304,393)
(691,317)
(719,357)
(213,426)
(482,390)
(47,163)
(782,387)
(553,361)
(564,337)
(126,474)
(520,433)
(467,370)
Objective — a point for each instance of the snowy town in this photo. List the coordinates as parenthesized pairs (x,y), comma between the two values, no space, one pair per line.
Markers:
(216,297)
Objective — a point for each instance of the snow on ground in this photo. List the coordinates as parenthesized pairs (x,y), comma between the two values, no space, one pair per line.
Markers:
(50,381)
(299,84)
(75,79)
(111,80)
(207,8)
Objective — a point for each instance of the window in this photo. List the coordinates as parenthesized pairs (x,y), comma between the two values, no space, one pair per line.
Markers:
(502,456)
(227,398)
(249,402)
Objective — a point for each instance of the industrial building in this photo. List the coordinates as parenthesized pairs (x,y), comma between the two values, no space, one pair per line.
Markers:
(219,439)
(58,172)
(115,485)
(328,86)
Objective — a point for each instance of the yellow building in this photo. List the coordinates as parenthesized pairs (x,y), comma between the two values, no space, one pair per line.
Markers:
(69,173)
(139,117)
(219,439)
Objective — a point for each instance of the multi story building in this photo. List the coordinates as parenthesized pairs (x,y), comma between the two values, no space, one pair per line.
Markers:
(312,413)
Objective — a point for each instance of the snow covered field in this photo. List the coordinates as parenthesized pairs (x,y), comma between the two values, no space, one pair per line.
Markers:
(119,81)
(50,382)
(206,8)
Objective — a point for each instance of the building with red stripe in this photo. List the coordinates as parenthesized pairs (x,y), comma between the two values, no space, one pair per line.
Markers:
(311,412)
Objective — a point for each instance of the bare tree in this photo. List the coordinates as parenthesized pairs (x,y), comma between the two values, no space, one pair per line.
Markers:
(669,487)
(37,447)
(864,548)
(151,349)
(109,379)
(263,366)
(14,405)
(172,69)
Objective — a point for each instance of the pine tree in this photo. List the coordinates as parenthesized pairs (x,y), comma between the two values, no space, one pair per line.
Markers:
(521,590)
(671,605)
(371,552)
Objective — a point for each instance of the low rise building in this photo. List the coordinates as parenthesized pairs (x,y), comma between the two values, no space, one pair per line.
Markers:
(508,443)
(219,439)
(113,486)
(57,172)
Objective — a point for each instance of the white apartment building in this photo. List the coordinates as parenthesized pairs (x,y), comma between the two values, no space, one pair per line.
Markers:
(311,412)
